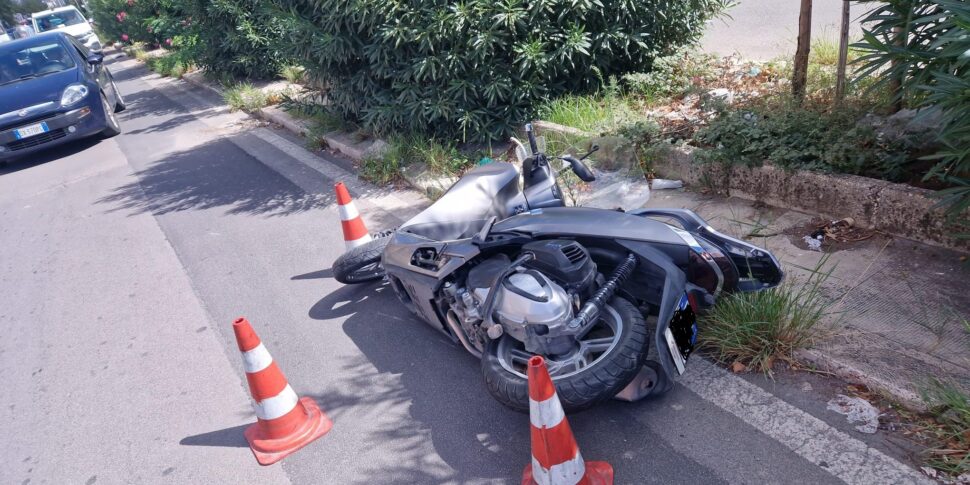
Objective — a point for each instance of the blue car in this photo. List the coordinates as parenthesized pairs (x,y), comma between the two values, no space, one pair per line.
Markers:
(53,90)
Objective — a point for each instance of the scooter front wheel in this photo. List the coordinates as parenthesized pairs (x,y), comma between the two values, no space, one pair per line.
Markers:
(361,264)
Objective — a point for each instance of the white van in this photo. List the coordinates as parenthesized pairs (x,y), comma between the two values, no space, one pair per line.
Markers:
(70,20)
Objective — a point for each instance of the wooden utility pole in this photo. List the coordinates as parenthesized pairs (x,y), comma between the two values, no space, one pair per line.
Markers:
(843,54)
(800,76)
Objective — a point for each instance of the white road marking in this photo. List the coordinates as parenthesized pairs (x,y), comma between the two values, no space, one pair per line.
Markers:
(364,194)
(847,458)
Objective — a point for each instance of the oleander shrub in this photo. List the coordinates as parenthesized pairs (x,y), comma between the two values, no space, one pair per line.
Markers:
(924,45)
(236,38)
(7,9)
(475,69)
(153,22)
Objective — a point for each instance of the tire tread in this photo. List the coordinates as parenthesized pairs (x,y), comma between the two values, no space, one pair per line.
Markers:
(357,258)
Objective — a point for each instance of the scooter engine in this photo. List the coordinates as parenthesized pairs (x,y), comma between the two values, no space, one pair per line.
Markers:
(537,301)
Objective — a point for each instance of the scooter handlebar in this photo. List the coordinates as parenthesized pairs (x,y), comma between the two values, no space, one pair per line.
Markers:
(532,138)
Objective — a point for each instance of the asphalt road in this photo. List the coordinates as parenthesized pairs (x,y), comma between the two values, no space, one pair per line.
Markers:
(126,260)
(767,29)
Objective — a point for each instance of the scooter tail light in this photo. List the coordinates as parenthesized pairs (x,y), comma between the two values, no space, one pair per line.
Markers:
(692,300)
(701,272)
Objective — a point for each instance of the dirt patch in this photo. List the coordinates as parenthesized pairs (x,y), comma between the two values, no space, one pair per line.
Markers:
(833,235)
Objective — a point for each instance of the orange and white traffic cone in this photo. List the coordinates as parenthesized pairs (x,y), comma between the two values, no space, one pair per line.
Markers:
(355,233)
(284,422)
(555,455)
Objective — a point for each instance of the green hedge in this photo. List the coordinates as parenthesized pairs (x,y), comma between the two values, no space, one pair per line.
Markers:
(932,63)
(154,22)
(236,38)
(230,38)
(475,69)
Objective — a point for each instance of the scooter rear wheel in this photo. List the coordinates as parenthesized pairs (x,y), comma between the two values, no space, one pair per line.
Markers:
(361,264)
(582,386)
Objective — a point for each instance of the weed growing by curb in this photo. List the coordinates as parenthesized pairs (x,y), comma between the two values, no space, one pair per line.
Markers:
(136,50)
(294,74)
(246,97)
(380,170)
(759,328)
(171,64)
(604,111)
(950,429)
(440,158)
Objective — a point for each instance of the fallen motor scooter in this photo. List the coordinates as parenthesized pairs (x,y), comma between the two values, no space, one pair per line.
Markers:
(509,273)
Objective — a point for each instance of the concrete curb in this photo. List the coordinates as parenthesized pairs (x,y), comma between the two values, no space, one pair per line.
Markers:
(197,78)
(567,130)
(273,114)
(897,209)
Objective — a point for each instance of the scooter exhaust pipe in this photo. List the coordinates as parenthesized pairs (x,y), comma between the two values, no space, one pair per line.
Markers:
(459,332)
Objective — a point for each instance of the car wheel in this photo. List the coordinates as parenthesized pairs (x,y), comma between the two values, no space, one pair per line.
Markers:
(119,100)
(111,128)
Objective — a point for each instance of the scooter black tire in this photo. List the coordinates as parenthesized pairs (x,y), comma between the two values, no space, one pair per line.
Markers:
(594,384)
(347,269)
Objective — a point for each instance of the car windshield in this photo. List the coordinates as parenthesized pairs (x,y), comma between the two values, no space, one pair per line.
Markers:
(57,20)
(19,62)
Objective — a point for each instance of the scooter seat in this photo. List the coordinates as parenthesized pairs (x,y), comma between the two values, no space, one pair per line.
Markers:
(488,191)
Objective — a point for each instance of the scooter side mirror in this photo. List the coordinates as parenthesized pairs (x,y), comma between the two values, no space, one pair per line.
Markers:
(580,169)
(591,151)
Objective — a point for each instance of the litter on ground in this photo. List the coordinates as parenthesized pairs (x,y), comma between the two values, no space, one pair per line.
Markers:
(856,410)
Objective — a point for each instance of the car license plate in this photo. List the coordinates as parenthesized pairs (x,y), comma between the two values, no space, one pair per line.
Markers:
(29,131)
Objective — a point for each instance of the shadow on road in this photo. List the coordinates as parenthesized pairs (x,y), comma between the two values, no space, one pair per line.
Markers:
(150,104)
(49,155)
(119,74)
(227,438)
(212,175)
(315,275)
(440,389)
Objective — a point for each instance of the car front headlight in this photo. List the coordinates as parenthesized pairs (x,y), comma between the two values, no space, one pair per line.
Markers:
(73,94)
